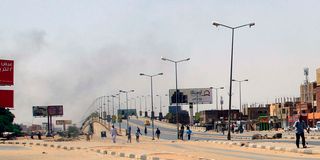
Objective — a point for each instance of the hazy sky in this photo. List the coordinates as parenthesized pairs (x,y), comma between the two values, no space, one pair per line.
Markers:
(70,52)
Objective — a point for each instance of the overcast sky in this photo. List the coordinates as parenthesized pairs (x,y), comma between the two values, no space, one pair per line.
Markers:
(70,52)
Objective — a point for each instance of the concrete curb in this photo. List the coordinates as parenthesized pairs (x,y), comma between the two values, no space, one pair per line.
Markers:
(253,145)
(306,137)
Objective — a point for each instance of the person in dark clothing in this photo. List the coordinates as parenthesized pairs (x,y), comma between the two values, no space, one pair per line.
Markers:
(181,132)
(138,130)
(32,133)
(189,133)
(39,135)
(300,126)
(158,133)
(129,134)
(145,130)
(138,134)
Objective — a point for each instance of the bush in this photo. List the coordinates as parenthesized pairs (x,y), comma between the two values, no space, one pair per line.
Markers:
(73,131)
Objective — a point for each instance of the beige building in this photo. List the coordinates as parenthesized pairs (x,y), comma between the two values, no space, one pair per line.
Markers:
(307,93)
(318,76)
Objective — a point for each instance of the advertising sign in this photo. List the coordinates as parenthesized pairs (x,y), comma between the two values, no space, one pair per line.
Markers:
(39,111)
(193,95)
(63,122)
(6,72)
(6,99)
(56,110)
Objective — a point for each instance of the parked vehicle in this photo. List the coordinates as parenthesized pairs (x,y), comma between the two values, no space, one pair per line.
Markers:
(317,128)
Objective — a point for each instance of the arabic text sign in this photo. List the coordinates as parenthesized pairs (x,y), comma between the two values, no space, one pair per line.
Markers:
(193,95)
(6,72)
(6,99)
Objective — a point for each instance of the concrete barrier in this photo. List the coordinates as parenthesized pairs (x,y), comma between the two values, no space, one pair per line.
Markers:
(113,153)
(122,154)
(143,157)
(132,156)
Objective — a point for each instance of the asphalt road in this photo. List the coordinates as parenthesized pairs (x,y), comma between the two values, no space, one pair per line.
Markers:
(171,134)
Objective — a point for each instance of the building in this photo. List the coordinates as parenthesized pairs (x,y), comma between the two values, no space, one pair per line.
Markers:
(35,127)
(255,112)
(213,116)
(307,92)
(318,76)
(317,99)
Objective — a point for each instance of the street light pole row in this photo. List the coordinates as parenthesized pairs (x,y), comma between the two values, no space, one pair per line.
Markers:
(127,116)
(152,112)
(231,67)
(176,72)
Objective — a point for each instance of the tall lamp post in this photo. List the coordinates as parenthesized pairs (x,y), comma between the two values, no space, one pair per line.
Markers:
(152,112)
(230,89)
(217,107)
(160,111)
(119,115)
(127,116)
(245,80)
(140,111)
(177,103)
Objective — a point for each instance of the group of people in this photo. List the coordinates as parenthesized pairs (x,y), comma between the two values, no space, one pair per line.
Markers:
(114,134)
(188,132)
(37,134)
(138,133)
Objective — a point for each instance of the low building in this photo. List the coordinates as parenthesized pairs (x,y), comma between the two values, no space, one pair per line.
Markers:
(213,116)
(318,76)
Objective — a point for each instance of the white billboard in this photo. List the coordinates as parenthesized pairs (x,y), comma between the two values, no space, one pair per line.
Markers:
(192,95)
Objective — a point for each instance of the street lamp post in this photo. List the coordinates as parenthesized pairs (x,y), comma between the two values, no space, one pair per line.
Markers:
(217,107)
(160,113)
(140,111)
(177,103)
(127,116)
(231,67)
(119,118)
(135,105)
(245,80)
(152,112)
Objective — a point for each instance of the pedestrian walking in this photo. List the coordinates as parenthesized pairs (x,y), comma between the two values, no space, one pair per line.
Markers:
(39,135)
(114,134)
(129,134)
(138,129)
(300,126)
(158,133)
(31,136)
(181,132)
(145,130)
(87,136)
(138,133)
(188,132)
(103,135)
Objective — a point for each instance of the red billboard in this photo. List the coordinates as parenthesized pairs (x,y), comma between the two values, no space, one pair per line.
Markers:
(6,98)
(55,110)
(6,72)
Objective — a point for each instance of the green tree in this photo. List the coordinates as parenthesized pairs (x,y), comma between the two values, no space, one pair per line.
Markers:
(6,122)
(197,117)
(169,117)
(73,131)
